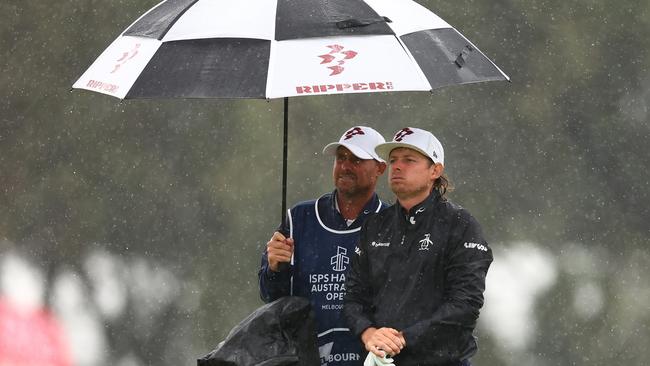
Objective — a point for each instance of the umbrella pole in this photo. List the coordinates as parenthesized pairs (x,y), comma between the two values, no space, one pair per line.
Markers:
(284,158)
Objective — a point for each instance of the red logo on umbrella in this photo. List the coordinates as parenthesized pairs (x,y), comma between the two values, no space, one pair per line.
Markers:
(126,56)
(337,57)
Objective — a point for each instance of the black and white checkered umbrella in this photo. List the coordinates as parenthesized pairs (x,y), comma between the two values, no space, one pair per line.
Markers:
(285,48)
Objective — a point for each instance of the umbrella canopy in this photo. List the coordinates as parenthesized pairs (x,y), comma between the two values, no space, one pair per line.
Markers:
(285,48)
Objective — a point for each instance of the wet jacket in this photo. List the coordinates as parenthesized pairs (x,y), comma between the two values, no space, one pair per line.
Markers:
(422,273)
(323,245)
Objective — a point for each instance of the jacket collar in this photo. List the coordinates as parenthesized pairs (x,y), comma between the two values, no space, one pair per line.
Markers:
(421,210)
(333,219)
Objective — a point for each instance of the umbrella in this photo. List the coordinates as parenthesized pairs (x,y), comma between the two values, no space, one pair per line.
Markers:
(284,48)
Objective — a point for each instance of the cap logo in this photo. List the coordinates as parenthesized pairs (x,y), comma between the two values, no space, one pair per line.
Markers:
(403,133)
(352,132)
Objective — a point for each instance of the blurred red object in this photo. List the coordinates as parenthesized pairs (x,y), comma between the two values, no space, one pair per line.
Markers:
(31,337)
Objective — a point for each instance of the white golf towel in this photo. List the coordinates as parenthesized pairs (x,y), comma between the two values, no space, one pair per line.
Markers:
(373,360)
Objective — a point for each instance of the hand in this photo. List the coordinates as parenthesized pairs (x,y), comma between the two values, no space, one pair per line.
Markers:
(383,341)
(279,250)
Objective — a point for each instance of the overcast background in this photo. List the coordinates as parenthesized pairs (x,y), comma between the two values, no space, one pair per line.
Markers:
(139,224)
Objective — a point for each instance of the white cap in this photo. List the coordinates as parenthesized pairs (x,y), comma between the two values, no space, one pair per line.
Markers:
(414,138)
(360,140)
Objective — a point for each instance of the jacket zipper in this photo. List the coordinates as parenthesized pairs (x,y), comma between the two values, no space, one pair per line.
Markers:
(404,228)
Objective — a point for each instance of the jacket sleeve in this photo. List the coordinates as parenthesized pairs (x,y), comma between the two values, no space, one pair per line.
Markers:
(274,285)
(467,263)
(357,303)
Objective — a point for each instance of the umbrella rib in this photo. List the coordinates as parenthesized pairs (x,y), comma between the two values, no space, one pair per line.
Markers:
(415,62)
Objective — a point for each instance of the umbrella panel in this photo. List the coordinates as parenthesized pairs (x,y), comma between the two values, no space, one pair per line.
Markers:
(448,58)
(218,68)
(294,18)
(407,16)
(226,19)
(334,65)
(317,18)
(117,68)
(157,21)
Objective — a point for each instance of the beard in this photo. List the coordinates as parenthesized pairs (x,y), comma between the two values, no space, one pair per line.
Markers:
(354,187)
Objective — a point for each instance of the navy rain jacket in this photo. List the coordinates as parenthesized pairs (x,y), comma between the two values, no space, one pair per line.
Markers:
(324,244)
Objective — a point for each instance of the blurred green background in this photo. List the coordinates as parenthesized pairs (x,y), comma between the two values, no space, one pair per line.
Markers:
(144,220)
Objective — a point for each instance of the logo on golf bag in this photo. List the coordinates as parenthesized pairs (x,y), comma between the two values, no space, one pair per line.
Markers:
(337,57)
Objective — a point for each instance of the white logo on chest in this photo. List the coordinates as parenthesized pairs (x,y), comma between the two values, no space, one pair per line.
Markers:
(425,242)
(340,260)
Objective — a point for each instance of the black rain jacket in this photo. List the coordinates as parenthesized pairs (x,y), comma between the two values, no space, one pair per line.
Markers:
(281,333)
(422,273)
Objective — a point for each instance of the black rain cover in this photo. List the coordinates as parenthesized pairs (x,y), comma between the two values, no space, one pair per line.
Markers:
(280,333)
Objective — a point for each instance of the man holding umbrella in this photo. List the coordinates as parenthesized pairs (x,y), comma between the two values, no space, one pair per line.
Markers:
(417,278)
(310,252)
